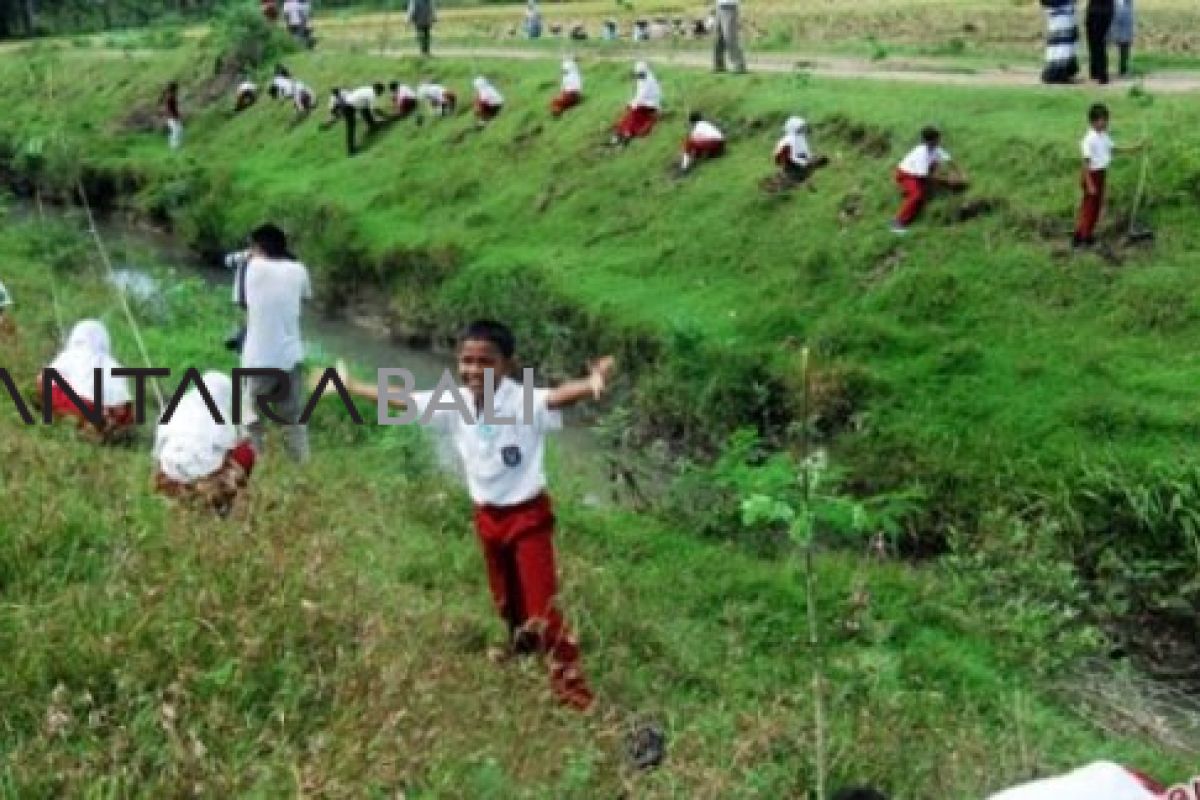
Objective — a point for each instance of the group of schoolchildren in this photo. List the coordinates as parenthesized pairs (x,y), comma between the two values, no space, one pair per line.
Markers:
(925,169)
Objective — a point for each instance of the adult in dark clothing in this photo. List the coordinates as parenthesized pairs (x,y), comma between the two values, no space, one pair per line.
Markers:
(1062,38)
(422,17)
(1099,21)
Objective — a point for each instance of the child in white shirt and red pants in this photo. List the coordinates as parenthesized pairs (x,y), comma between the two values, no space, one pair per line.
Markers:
(1097,148)
(918,173)
(514,520)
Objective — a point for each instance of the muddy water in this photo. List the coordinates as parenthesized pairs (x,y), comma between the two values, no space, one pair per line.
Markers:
(576,461)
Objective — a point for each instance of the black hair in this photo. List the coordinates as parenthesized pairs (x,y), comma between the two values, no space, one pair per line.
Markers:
(282,71)
(930,135)
(271,240)
(1098,111)
(394,85)
(273,91)
(859,793)
(695,117)
(497,333)
(379,88)
(173,86)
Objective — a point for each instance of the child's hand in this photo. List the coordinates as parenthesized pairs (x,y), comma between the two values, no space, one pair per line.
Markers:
(600,369)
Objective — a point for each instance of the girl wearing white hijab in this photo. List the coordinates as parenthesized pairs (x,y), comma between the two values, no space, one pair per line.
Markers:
(488,100)
(88,350)
(792,153)
(1101,780)
(572,88)
(639,118)
(199,456)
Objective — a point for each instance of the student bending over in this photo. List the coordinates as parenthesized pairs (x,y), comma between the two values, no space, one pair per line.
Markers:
(88,350)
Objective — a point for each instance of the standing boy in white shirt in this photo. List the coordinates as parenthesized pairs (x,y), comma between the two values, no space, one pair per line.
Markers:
(273,288)
(502,458)
(919,172)
(1097,148)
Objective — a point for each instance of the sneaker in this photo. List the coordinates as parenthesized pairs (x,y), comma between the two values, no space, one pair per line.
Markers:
(899,229)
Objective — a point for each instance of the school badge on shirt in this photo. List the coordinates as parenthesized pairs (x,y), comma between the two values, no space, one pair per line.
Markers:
(511,455)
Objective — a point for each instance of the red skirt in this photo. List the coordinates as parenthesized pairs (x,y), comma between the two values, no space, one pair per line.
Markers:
(563,101)
(116,416)
(486,111)
(638,121)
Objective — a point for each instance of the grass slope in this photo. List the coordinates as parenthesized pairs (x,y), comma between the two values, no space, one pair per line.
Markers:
(329,640)
(976,349)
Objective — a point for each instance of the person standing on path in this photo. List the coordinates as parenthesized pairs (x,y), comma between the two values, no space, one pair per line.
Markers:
(170,107)
(727,37)
(1099,21)
(422,16)
(275,285)
(1122,33)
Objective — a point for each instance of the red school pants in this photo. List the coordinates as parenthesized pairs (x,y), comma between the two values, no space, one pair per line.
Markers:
(636,121)
(518,550)
(915,189)
(704,148)
(563,101)
(1089,209)
(486,111)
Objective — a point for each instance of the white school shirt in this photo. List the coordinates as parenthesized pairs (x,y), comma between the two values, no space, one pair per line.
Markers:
(362,97)
(247,87)
(432,92)
(487,93)
(1099,781)
(648,94)
(274,291)
(1097,149)
(294,12)
(921,159)
(299,92)
(502,462)
(285,86)
(404,92)
(798,143)
(572,81)
(705,131)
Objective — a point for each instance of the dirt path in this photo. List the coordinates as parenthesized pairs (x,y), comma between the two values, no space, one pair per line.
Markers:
(926,71)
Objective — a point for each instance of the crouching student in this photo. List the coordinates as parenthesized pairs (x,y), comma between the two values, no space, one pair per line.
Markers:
(443,102)
(488,100)
(8,327)
(572,89)
(285,87)
(642,112)
(919,173)
(404,100)
(88,350)
(246,96)
(793,155)
(704,140)
(1101,780)
(514,519)
(347,105)
(200,457)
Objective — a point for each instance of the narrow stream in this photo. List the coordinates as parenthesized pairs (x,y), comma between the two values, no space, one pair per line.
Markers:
(576,461)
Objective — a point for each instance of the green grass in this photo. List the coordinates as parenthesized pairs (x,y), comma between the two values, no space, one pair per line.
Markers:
(329,639)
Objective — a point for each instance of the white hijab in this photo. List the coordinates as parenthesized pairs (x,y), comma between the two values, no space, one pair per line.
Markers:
(87,350)
(572,78)
(193,445)
(1102,780)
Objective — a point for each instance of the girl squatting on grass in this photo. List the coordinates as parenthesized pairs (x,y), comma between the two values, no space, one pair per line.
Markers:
(513,516)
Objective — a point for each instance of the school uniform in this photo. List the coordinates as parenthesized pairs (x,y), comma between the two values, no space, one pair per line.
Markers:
(442,100)
(1097,150)
(572,89)
(247,93)
(88,349)
(404,100)
(792,154)
(349,104)
(198,456)
(273,291)
(514,521)
(912,176)
(642,113)
(174,121)
(488,100)
(704,141)
(1099,781)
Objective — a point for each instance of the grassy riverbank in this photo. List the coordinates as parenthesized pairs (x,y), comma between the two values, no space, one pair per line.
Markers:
(329,640)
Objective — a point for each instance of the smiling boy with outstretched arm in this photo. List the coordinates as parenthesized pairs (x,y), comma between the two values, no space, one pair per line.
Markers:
(502,453)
